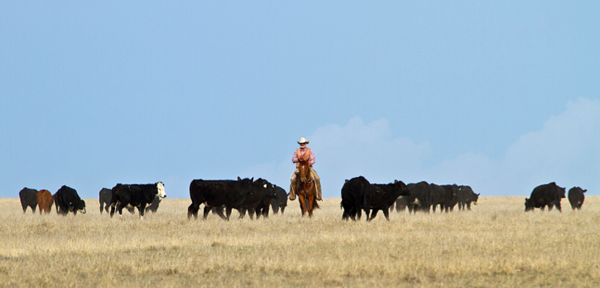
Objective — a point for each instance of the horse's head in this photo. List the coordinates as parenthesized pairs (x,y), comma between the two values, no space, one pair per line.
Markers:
(304,167)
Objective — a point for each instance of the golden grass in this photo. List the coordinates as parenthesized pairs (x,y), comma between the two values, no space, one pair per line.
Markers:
(496,244)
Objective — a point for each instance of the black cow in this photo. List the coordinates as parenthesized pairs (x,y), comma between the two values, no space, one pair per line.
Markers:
(154,205)
(356,194)
(452,192)
(545,195)
(28,199)
(466,196)
(67,200)
(105,195)
(259,200)
(138,195)
(444,195)
(383,196)
(420,197)
(576,197)
(215,193)
(280,202)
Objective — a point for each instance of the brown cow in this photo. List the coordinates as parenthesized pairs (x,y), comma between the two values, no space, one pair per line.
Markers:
(45,201)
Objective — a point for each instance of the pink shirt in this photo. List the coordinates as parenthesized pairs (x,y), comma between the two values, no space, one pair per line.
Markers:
(302,150)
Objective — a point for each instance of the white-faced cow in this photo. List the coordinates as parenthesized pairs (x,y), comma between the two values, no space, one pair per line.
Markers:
(545,195)
(28,199)
(67,200)
(576,197)
(138,195)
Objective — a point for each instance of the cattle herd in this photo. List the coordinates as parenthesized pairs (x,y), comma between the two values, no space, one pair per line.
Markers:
(255,197)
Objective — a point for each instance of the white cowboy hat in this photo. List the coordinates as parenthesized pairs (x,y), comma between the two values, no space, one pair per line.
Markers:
(303,141)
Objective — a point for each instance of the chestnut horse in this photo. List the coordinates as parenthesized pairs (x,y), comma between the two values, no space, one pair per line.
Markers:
(306,188)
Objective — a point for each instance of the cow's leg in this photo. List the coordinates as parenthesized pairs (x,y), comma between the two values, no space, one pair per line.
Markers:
(120,209)
(207,210)
(386,212)
(558,207)
(373,214)
(142,209)
(469,205)
(193,211)
(227,212)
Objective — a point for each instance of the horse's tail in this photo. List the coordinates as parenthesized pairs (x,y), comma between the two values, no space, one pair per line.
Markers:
(315,204)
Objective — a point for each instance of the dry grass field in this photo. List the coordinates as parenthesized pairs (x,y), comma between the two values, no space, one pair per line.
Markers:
(496,244)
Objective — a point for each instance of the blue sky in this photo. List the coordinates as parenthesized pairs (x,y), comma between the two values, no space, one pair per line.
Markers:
(500,96)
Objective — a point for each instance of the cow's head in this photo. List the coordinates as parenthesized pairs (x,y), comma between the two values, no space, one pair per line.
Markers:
(160,187)
(528,204)
(80,206)
(475,197)
(401,188)
(266,186)
(561,191)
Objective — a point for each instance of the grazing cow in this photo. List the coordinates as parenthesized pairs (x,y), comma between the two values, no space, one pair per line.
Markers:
(138,195)
(383,196)
(466,196)
(420,197)
(545,195)
(154,205)
(216,193)
(45,201)
(445,196)
(28,199)
(576,197)
(258,200)
(280,202)
(356,194)
(67,200)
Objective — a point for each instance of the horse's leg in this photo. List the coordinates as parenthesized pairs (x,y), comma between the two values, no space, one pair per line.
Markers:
(311,199)
(302,201)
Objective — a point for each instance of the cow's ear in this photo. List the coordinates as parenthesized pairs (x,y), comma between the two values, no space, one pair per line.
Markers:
(584,190)
(395,181)
(252,179)
(239,179)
